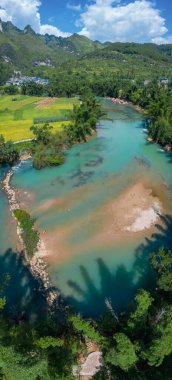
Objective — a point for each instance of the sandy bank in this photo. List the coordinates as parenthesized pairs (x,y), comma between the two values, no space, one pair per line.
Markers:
(135,210)
(128,216)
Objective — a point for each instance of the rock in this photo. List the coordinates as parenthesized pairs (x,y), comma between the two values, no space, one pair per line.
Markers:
(149,139)
(167,148)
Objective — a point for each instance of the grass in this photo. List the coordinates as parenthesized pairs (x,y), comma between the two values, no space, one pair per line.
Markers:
(16,117)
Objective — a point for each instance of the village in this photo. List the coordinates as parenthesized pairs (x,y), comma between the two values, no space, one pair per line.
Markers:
(18,80)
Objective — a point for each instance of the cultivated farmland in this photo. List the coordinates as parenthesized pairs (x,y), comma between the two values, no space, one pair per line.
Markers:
(17,116)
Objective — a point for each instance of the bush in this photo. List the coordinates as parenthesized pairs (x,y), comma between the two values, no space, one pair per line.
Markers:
(45,157)
(8,152)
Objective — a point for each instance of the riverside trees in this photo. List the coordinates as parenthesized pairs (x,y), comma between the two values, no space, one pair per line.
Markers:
(83,119)
(154,98)
(50,147)
(8,152)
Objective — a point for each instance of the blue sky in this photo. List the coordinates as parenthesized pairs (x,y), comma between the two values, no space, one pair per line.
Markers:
(105,20)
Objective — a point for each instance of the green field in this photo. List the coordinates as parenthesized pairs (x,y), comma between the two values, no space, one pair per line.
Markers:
(16,117)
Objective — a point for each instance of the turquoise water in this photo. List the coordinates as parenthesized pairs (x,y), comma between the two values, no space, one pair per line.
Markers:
(93,174)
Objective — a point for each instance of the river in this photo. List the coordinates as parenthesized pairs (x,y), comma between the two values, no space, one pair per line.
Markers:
(90,262)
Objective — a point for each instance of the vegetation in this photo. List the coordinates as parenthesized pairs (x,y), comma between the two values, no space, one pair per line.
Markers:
(135,344)
(123,354)
(29,235)
(84,119)
(124,60)
(16,117)
(8,152)
(49,147)
(5,72)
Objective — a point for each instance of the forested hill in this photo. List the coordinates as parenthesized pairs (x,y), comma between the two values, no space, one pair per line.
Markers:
(24,49)
(161,53)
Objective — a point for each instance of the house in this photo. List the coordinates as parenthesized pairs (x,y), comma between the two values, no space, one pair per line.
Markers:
(164,82)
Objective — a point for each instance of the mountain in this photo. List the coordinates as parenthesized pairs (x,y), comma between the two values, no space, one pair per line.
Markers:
(75,44)
(28,30)
(31,52)
(22,48)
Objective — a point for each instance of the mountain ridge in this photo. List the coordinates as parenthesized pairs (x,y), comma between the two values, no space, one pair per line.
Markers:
(26,49)
(36,47)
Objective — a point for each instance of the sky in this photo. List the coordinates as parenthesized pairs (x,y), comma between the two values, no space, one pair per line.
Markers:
(103,20)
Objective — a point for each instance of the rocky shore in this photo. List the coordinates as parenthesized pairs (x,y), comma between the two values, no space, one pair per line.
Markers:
(37,265)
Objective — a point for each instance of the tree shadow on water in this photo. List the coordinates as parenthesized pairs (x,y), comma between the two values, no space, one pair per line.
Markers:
(118,286)
(161,238)
(22,291)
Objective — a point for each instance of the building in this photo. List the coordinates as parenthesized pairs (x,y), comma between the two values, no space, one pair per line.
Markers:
(18,80)
(164,81)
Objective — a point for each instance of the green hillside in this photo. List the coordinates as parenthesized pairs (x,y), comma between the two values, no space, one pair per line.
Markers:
(23,48)
(37,54)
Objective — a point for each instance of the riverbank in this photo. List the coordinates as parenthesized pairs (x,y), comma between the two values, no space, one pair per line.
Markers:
(37,265)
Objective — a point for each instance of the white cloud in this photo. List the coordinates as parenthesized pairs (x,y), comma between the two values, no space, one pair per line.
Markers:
(138,21)
(162,40)
(105,20)
(24,12)
(74,7)
(4,15)
(52,30)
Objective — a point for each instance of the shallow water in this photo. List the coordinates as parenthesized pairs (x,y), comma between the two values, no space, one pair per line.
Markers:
(64,199)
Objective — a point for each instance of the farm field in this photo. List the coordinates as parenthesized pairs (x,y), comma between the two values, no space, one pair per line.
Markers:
(16,117)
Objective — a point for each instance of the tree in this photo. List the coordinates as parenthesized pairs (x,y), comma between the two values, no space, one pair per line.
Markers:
(5,72)
(161,131)
(138,318)
(162,264)
(84,119)
(161,345)
(123,355)
(32,89)
(46,156)
(11,90)
(8,152)
(42,133)
(85,328)
(49,341)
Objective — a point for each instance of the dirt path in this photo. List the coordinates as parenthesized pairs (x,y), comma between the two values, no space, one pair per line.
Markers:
(44,103)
